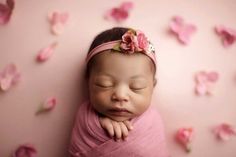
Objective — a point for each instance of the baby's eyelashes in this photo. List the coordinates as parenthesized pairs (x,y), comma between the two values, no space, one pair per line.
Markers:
(133,85)
(103,82)
(137,86)
(104,85)
(108,86)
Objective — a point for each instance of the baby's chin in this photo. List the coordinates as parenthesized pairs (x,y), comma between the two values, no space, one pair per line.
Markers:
(119,118)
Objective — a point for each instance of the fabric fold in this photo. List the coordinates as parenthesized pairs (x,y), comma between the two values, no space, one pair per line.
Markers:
(89,139)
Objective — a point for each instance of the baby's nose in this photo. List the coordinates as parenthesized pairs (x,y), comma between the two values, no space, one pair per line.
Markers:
(120,94)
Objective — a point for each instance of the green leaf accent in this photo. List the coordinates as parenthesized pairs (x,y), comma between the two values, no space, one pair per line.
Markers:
(117,47)
(132,31)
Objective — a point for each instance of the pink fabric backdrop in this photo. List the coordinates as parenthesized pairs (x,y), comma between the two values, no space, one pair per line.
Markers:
(28,31)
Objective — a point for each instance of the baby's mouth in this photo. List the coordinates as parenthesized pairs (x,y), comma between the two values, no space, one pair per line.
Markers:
(119,111)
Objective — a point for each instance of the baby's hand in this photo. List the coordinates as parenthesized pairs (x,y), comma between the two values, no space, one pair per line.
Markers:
(116,129)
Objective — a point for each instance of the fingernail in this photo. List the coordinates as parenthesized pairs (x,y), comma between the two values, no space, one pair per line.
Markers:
(117,139)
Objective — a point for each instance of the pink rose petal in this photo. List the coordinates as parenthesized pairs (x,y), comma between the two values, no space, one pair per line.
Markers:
(119,14)
(213,76)
(9,77)
(127,6)
(48,105)
(58,21)
(182,30)
(228,35)
(224,131)
(201,89)
(176,24)
(45,53)
(184,137)
(57,29)
(26,150)
(201,77)
(6,11)
(205,82)
(6,83)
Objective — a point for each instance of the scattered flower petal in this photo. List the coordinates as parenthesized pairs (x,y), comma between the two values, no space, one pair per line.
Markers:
(119,14)
(25,150)
(224,131)
(48,105)
(201,77)
(45,53)
(182,30)
(9,77)
(184,137)
(205,81)
(58,21)
(212,76)
(201,89)
(228,35)
(6,11)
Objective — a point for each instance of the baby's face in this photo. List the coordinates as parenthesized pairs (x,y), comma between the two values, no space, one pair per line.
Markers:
(120,85)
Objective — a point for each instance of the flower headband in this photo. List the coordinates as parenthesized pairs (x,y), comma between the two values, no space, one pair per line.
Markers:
(132,42)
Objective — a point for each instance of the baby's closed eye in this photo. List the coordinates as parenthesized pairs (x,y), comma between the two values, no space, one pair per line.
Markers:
(138,85)
(104,84)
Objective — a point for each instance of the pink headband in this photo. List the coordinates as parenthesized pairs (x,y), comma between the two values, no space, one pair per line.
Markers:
(132,42)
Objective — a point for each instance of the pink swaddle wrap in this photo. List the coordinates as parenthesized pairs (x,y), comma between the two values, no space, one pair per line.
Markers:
(89,139)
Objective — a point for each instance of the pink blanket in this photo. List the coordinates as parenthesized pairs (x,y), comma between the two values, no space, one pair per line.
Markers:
(90,140)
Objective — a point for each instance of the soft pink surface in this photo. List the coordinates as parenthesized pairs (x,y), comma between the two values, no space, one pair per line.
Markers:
(61,76)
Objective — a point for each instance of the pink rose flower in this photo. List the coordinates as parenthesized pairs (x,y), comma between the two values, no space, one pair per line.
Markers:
(224,131)
(184,137)
(142,41)
(25,150)
(129,42)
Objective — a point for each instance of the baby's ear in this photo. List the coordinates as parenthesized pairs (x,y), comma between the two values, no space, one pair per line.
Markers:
(154,82)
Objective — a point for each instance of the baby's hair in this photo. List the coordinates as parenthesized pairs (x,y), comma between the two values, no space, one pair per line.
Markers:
(108,35)
(112,34)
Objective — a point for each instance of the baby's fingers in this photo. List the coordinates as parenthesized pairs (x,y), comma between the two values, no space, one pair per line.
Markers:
(128,125)
(117,130)
(107,125)
(124,130)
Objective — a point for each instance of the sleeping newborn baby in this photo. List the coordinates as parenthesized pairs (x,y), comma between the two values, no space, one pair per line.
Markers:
(121,67)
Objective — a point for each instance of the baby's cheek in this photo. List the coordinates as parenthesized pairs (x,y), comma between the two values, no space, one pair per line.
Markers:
(99,101)
(101,97)
(142,103)
(141,108)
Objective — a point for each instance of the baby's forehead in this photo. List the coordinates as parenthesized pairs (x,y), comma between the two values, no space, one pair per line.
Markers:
(111,58)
